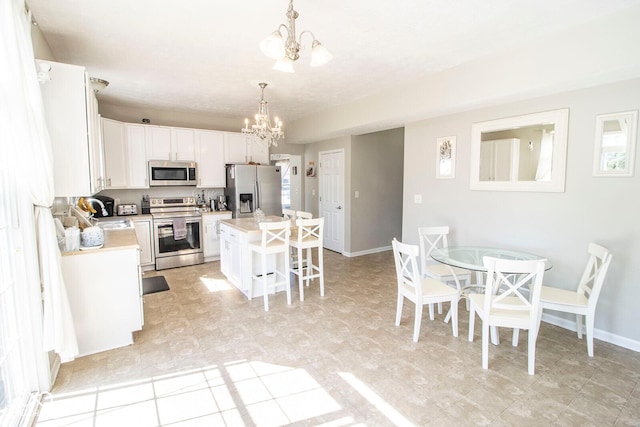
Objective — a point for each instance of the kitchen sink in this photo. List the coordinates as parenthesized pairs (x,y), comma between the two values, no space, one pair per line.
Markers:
(114,224)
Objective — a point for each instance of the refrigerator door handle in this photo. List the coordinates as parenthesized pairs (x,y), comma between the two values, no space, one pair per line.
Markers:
(257,191)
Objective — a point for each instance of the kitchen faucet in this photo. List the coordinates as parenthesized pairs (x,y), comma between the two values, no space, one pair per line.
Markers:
(93,199)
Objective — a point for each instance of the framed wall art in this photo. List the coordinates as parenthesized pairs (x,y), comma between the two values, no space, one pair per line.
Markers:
(446,157)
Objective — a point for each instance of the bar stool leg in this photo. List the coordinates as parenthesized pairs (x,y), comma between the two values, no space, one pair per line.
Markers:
(264,282)
(321,270)
(300,274)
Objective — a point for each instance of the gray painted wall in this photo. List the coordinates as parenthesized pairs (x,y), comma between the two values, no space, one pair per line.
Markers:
(377,163)
(556,225)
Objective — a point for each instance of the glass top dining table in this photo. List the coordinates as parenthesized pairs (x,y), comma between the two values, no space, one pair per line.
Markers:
(470,257)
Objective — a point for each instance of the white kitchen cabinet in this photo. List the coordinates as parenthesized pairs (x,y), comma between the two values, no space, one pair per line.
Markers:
(170,143)
(235,147)
(183,144)
(104,288)
(115,153)
(231,260)
(144,233)
(136,156)
(71,115)
(97,179)
(124,155)
(241,148)
(210,159)
(158,142)
(237,262)
(211,225)
(258,151)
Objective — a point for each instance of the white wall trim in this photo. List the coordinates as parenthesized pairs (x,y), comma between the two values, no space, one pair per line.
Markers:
(367,252)
(597,333)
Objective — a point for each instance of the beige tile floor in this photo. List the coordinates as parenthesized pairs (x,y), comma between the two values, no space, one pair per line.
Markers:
(206,356)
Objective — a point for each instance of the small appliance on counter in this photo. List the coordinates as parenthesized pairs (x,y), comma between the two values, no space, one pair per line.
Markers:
(129,209)
(98,202)
(145,206)
(220,204)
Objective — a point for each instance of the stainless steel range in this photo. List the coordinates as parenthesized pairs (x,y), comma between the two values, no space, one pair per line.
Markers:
(177,230)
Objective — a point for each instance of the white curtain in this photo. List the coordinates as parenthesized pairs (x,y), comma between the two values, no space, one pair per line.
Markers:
(30,156)
(543,173)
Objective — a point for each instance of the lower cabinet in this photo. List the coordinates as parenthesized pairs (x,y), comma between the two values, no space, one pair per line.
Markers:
(104,288)
(238,263)
(144,234)
(211,225)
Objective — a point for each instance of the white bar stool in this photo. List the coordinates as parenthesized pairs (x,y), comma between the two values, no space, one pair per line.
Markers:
(274,241)
(309,236)
(304,215)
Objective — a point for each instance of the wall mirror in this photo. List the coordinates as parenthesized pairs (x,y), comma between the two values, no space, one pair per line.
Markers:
(522,153)
(615,144)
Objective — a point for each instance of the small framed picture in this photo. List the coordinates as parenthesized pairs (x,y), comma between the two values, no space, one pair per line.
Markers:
(311,170)
(446,157)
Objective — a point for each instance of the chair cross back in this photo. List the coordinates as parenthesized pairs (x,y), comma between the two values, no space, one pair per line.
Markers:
(407,267)
(594,273)
(275,233)
(310,230)
(510,286)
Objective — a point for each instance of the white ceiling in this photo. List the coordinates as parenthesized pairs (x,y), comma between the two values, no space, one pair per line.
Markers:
(202,56)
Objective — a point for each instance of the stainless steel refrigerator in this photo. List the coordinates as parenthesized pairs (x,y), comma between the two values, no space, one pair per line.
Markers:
(250,187)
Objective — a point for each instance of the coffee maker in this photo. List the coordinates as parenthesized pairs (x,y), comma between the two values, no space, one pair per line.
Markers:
(221,203)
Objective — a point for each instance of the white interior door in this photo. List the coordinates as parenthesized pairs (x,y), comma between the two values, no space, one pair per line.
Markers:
(331,175)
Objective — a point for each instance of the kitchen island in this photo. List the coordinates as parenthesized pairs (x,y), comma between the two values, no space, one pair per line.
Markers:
(104,287)
(237,262)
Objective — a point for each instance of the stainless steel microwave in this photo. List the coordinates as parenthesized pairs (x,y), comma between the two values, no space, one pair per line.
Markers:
(165,173)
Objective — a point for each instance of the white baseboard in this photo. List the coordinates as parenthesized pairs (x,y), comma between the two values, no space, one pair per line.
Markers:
(367,252)
(597,333)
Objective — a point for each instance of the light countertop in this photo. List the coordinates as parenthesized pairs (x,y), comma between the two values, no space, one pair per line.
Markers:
(248,225)
(117,239)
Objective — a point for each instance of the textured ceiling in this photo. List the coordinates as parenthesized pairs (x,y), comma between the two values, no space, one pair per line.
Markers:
(203,55)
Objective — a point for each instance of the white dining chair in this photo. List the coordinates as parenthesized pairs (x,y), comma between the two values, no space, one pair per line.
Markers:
(420,290)
(274,243)
(308,236)
(512,300)
(581,302)
(436,238)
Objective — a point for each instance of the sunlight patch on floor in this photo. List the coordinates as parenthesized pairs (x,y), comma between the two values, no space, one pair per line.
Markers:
(394,416)
(238,393)
(216,285)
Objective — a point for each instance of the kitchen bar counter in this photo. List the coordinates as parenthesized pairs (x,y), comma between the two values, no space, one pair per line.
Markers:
(248,225)
(237,262)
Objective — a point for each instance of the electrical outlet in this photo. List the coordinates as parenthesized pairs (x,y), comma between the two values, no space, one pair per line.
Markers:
(313,192)
(417,199)
(357,194)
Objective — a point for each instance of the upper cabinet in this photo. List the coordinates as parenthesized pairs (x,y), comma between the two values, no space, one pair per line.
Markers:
(169,143)
(125,155)
(73,123)
(240,148)
(210,158)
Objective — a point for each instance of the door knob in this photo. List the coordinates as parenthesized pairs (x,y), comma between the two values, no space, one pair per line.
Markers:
(339,207)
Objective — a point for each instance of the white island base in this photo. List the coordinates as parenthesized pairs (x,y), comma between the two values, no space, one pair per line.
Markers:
(237,261)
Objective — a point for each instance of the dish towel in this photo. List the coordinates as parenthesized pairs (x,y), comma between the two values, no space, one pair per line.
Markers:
(179,228)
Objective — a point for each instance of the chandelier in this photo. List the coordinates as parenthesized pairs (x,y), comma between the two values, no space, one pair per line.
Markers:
(262,129)
(287,50)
